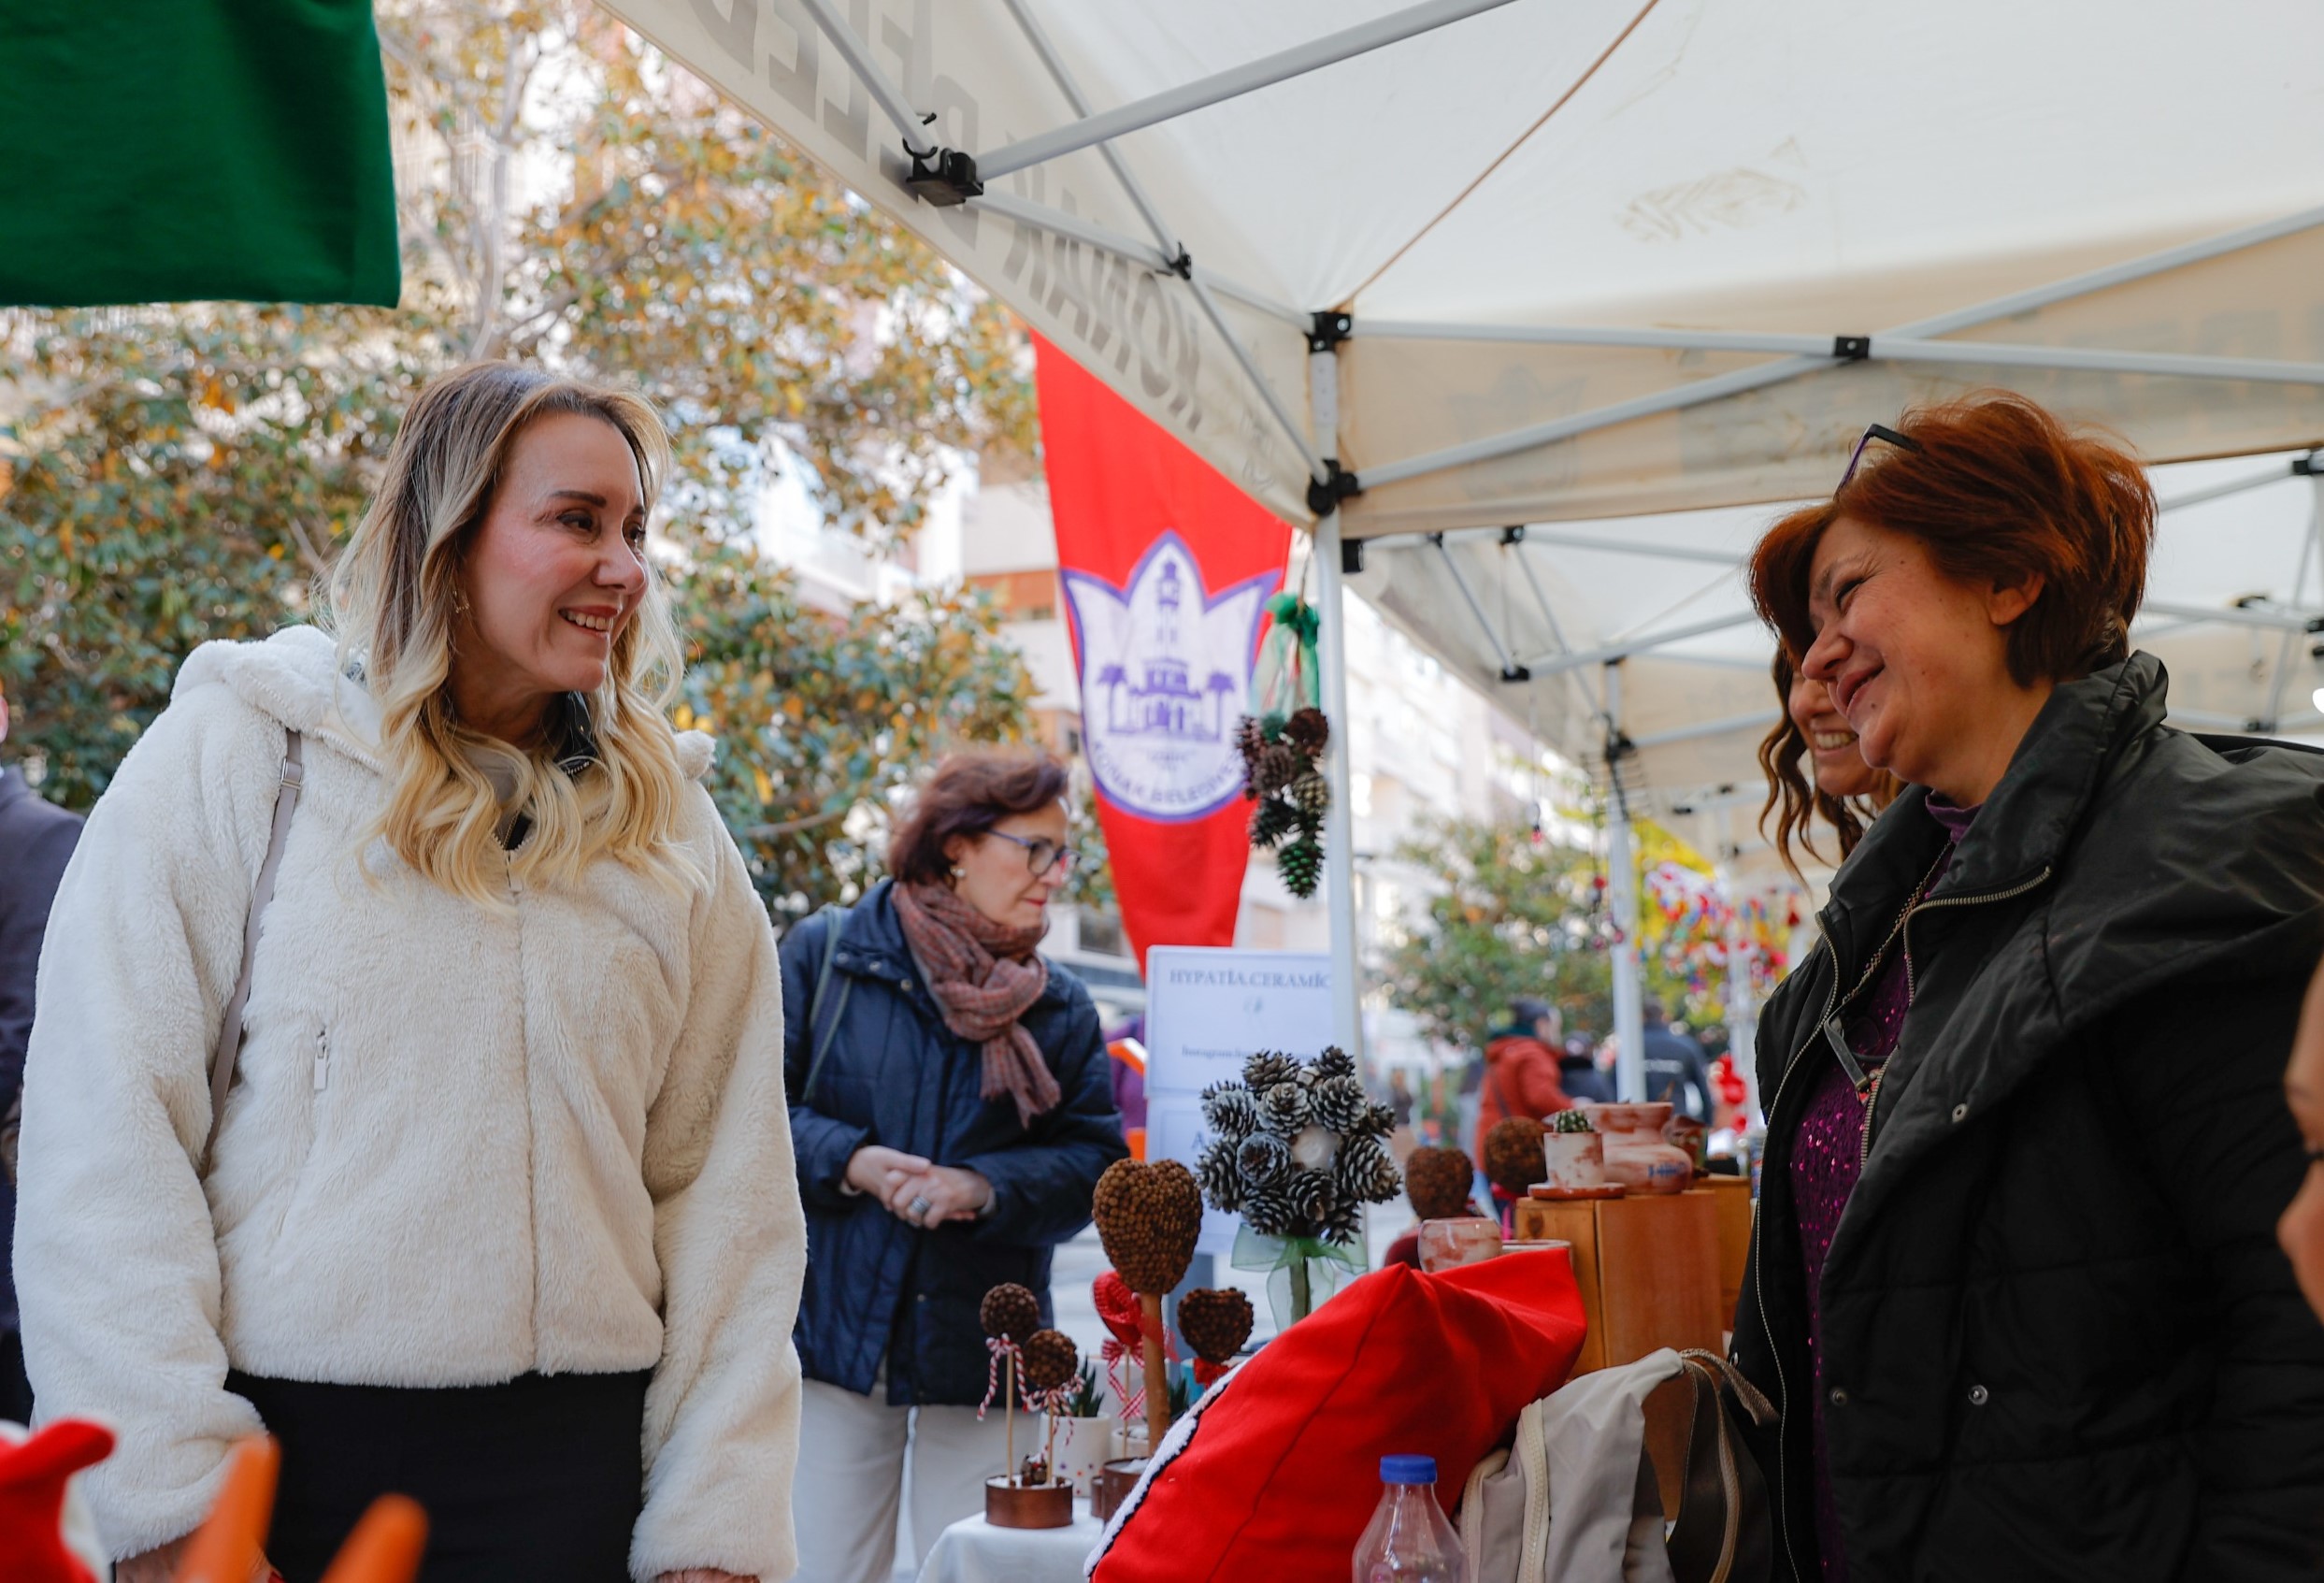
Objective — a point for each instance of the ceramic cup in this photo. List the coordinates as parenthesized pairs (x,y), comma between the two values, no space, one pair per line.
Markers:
(1447,1245)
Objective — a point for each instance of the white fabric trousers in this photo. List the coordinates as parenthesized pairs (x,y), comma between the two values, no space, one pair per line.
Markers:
(851,1476)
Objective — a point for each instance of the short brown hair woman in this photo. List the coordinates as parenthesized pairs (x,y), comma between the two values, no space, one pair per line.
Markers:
(1837,786)
(954,1108)
(2014,1279)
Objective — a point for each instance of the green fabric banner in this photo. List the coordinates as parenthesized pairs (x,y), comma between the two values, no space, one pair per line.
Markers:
(181,151)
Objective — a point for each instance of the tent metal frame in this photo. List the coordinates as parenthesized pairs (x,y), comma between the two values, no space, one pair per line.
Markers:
(952,176)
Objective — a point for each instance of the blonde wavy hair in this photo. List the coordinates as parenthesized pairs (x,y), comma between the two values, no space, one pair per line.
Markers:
(392,601)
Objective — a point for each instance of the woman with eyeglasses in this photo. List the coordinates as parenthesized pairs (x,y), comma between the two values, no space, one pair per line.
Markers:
(952,1110)
(2014,1282)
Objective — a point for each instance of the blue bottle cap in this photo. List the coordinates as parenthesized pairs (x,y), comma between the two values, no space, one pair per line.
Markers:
(1408,1470)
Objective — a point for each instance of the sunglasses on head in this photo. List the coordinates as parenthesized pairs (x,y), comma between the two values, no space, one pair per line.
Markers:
(1872,432)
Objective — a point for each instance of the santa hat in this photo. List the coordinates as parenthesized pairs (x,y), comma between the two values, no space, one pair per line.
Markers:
(44,1532)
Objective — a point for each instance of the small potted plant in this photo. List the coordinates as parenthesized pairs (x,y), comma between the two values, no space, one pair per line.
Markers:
(1084,1436)
(1574,1153)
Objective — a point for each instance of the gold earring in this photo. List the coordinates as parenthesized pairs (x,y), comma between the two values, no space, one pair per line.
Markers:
(459,599)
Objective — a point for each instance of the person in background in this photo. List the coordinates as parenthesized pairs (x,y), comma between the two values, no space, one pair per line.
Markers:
(499,1212)
(1675,1068)
(1846,792)
(1521,1068)
(1579,1073)
(952,1101)
(37,840)
(2014,1286)
(2300,1230)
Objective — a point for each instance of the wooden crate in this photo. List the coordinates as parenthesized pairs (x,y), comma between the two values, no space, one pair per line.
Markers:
(1650,1272)
(1732,1196)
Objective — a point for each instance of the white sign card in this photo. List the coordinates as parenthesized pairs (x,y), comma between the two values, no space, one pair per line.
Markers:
(1207,1009)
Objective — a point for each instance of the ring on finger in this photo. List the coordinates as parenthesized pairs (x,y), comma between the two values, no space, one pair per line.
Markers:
(918,1209)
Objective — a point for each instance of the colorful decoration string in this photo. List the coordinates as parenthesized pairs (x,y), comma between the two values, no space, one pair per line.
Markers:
(1004,1351)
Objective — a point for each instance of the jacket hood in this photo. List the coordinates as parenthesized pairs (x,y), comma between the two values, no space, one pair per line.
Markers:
(1510,1041)
(294,678)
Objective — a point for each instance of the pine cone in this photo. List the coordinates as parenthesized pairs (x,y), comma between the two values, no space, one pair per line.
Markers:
(1311,1195)
(1279,765)
(1263,1161)
(1282,1109)
(1364,1171)
(1273,821)
(1437,1181)
(1215,1322)
(1312,792)
(1217,1171)
(1338,1104)
(1309,730)
(1344,1223)
(1249,740)
(1512,1153)
(1301,865)
(1229,1111)
(1334,1062)
(1263,1070)
(1269,1212)
(1051,1360)
(1377,1122)
(1148,1216)
(1009,1311)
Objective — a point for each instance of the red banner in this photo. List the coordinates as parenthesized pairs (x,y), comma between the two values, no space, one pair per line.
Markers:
(1166,567)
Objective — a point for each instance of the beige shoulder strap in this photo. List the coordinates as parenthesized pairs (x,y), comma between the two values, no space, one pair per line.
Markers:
(230,1027)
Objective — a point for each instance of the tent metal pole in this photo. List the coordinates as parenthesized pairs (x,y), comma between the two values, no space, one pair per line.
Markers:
(1024,211)
(889,97)
(1037,37)
(1510,671)
(2220,491)
(1293,430)
(1629,1066)
(1550,664)
(1323,374)
(2274,715)
(1200,95)
(1757,721)
(1598,335)
(2289,620)
(1595,703)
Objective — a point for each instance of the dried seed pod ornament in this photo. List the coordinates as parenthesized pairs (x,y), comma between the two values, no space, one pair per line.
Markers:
(1148,1216)
(1437,1182)
(1512,1153)
(1282,774)
(1215,1323)
(1050,1360)
(1011,1313)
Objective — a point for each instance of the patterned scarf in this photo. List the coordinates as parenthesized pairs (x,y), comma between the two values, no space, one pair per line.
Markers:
(984,977)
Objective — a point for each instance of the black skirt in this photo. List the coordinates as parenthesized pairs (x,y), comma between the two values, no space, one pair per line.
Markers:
(537,1479)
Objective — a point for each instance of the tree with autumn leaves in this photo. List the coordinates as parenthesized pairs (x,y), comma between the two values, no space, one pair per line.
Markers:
(571,198)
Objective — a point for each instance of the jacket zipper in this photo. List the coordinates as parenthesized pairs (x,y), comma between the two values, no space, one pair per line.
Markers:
(322,1060)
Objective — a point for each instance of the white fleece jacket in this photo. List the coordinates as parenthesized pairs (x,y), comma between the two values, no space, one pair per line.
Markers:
(461,1145)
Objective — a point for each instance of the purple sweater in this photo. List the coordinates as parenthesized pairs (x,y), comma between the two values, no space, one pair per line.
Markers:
(1827,1156)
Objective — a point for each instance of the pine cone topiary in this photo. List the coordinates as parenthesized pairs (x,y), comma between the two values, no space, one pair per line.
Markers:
(1273,821)
(1282,1109)
(1309,730)
(1437,1181)
(1301,865)
(1229,1111)
(1219,1176)
(1215,1322)
(1512,1153)
(1263,1070)
(1010,1311)
(1269,1212)
(1312,792)
(1338,1104)
(1263,1161)
(1334,1062)
(1311,1196)
(1148,1215)
(1051,1360)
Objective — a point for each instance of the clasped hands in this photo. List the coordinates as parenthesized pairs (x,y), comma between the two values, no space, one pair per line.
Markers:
(915,1190)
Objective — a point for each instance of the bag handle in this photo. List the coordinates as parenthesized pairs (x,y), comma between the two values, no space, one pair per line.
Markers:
(1723,1530)
(833,915)
(229,1046)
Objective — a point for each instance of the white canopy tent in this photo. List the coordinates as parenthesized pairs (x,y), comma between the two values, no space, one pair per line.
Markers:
(1455,280)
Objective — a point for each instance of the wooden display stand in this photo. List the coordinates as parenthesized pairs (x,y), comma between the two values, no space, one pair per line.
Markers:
(1732,1196)
(1651,1276)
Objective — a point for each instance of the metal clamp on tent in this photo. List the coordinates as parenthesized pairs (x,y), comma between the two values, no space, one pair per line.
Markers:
(1328,329)
(943,177)
(1323,495)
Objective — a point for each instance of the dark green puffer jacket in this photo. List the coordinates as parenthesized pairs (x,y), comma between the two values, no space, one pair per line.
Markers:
(2059,1339)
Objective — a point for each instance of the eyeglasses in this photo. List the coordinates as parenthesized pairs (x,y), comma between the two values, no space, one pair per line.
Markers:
(1874,431)
(1040,854)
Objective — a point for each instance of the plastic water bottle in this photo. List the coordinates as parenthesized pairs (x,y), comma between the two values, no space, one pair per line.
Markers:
(1409,1540)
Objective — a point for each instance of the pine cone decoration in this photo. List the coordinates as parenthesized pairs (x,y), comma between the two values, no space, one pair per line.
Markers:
(1311,1196)
(1263,1070)
(1301,865)
(1512,1153)
(1215,1322)
(1248,739)
(1365,1172)
(1309,730)
(1312,792)
(1010,1311)
(1437,1181)
(1229,1111)
(1272,823)
(1148,1216)
(1220,1178)
(1379,1121)
(1344,1223)
(1338,1104)
(1051,1360)
(1279,766)
(1268,1212)
(1282,1109)
(1263,1161)
(1334,1062)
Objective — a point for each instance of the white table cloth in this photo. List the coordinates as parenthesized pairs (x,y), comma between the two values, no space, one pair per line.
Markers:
(974,1551)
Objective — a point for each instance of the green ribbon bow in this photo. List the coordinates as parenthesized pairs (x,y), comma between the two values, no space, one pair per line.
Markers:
(1297,1267)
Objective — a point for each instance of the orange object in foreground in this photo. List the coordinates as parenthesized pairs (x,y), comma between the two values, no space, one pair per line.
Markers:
(385,1547)
(226,1549)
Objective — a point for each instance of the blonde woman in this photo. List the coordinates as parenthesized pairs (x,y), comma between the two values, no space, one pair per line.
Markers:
(501,1210)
